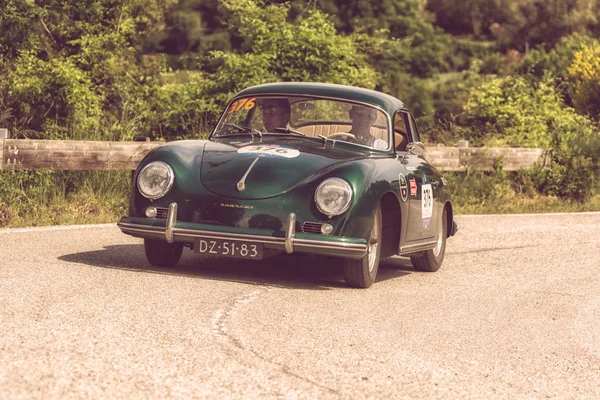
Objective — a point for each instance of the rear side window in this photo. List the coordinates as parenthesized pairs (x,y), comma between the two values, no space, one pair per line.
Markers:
(414,129)
(401,130)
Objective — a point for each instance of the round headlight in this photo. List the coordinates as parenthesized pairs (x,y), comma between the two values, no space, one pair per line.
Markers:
(155,180)
(333,196)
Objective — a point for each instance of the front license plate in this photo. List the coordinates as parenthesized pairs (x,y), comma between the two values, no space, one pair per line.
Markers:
(229,248)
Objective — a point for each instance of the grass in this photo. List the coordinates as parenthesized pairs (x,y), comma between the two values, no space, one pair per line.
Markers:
(510,193)
(45,198)
(528,205)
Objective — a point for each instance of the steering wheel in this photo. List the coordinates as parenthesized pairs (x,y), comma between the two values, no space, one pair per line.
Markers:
(342,134)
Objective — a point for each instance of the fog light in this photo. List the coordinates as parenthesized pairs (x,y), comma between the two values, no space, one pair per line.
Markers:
(151,212)
(326,229)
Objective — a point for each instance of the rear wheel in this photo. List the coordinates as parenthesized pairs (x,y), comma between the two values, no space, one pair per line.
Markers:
(431,260)
(362,273)
(161,253)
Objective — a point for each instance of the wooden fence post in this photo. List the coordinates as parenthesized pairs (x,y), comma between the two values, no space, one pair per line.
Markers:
(3,135)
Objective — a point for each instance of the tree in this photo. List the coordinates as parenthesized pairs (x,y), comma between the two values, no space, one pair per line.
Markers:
(584,75)
(535,22)
(278,50)
(81,63)
(513,111)
(470,17)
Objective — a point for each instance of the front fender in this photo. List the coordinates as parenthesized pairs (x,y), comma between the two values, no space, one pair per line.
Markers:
(184,157)
(369,186)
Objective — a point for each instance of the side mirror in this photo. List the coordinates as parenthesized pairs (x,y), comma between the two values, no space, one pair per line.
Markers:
(416,148)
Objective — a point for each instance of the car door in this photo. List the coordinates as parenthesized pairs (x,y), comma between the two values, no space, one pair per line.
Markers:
(422,186)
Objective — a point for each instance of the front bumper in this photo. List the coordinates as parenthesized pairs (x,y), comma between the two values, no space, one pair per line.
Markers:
(291,241)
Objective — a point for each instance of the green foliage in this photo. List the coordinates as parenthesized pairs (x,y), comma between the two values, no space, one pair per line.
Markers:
(193,27)
(469,16)
(584,74)
(542,22)
(556,61)
(109,70)
(20,27)
(38,198)
(478,192)
(53,99)
(179,108)
(514,112)
(309,50)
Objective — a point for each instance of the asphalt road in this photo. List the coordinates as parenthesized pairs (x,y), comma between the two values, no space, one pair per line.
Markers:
(514,312)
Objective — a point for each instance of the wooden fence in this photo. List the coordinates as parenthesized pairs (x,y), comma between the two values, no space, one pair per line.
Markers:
(23,154)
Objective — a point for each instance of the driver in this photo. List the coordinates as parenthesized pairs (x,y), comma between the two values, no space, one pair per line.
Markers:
(275,113)
(362,119)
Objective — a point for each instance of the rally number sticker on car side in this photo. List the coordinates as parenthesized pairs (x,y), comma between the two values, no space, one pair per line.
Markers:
(426,201)
(270,151)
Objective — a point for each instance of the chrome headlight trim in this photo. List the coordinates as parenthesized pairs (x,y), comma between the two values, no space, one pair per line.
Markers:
(333,185)
(165,185)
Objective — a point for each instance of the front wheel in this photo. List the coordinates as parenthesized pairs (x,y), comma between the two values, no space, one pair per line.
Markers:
(431,260)
(161,253)
(362,273)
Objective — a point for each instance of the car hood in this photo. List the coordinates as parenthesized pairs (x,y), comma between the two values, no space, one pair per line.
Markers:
(262,170)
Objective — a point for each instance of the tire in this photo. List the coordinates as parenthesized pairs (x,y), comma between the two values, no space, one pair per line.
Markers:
(431,260)
(161,253)
(362,273)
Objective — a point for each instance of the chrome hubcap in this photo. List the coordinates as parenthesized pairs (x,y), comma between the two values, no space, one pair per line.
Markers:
(373,244)
(438,246)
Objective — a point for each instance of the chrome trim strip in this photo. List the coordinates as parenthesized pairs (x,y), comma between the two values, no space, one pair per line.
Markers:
(178,233)
(362,248)
(171,221)
(419,246)
(225,235)
(290,233)
(241,185)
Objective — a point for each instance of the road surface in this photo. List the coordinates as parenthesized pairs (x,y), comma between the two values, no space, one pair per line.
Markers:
(514,312)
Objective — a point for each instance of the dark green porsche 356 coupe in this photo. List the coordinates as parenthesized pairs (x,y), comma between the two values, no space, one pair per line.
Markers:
(297,168)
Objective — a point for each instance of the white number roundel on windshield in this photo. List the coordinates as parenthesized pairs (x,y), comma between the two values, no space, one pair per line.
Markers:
(270,151)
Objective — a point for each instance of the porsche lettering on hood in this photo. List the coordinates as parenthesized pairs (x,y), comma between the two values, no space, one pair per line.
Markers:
(254,171)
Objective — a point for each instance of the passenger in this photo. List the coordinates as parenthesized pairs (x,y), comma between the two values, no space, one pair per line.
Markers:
(362,119)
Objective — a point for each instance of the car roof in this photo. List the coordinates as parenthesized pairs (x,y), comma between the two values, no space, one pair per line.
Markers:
(385,101)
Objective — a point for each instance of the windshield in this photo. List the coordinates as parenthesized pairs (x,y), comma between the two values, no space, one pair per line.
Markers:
(327,118)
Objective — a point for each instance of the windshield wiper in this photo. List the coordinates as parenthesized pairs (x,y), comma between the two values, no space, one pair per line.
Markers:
(243,129)
(289,130)
(326,139)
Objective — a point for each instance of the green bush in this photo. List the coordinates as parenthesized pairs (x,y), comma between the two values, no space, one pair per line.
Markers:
(37,198)
(309,49)
(541,63)
(584,76)
(515,112)
(54,99)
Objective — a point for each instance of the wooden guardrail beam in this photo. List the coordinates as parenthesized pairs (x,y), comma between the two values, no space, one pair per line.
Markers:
(482,158)
(22,154)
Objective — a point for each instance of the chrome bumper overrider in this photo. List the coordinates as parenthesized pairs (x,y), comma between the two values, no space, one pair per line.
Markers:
(173,231)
